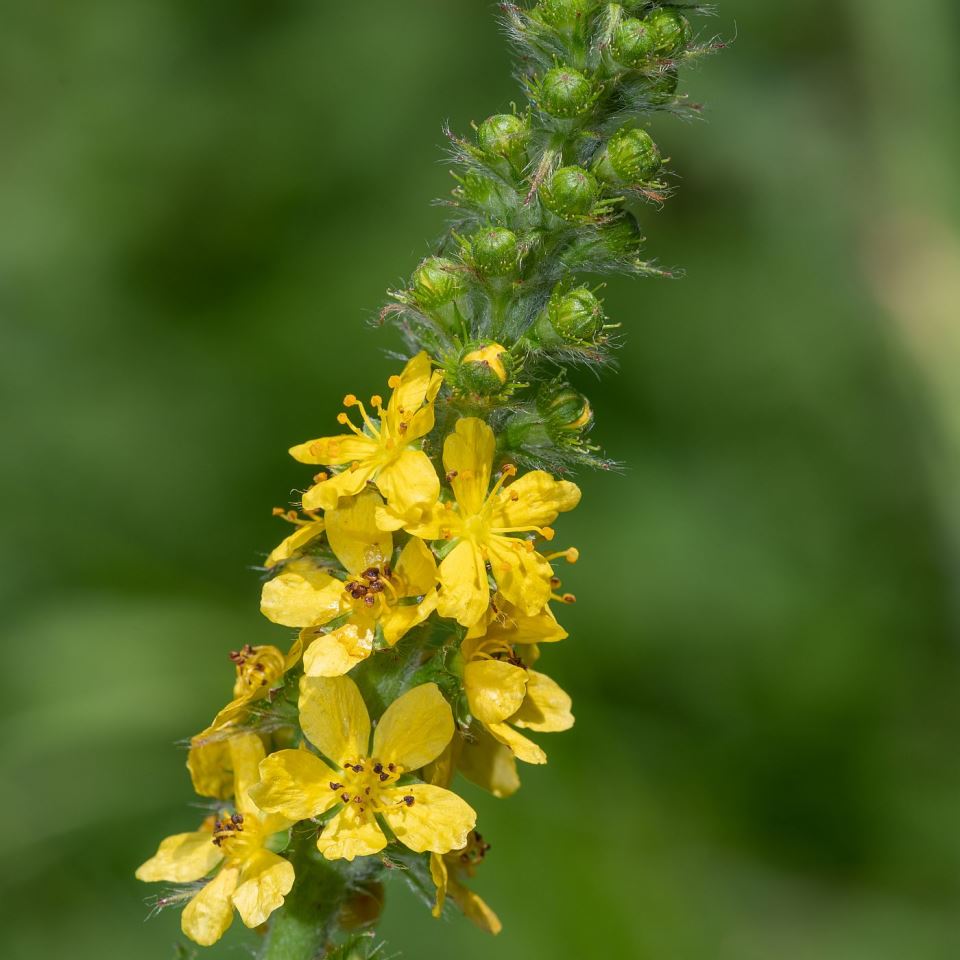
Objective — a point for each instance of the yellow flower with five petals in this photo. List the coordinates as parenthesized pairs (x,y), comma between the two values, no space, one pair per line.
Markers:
(385,450)
(482,527)
(373,595)
(363,780)
(251,878)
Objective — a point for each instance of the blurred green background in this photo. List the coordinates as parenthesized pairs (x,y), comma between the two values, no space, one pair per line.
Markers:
(201,203)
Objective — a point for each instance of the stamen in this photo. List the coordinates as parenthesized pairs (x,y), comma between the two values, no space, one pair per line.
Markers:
(393,382)
(571,555)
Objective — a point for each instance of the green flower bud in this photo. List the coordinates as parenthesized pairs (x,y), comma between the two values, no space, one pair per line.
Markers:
(566,411)
(437,282)
(577,315)
(630,156)
(483,370)
(495,251)
(505,135)
(563,14)
(574,316)
(566,93)
(633,42)
(670,29)
(570,193)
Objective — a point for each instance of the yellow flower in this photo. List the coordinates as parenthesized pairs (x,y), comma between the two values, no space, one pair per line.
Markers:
(481,526)
(504,693)
(210,760)
(364,783)
(373,595)
(447,871)
(385,450)
(251,878)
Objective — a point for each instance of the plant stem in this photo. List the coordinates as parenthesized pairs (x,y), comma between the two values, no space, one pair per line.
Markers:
(300,929)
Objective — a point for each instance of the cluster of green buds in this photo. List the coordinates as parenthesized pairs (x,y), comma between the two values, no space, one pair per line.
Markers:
(420,572)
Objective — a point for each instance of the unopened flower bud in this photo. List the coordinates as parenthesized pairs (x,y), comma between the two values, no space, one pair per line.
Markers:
(437,282)
(505,135)
(563,14)
(630,156)
(566,411)
(495,251)
(570,193)
(572,317)
(670,29)
(483,370)
(633,42)
(363,907)
(566,93)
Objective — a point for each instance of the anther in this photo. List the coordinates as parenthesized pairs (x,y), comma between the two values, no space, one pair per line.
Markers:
(335,786)
(393,382)
(350,400)
(409,800)
(376,401)
(345,797)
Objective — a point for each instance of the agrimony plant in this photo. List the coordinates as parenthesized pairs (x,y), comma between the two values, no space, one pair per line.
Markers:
(420,569)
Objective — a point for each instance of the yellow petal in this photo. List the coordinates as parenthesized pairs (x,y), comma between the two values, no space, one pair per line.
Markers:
(465,592)
(507,622)
(416,382)
(296,541)
(264,881)
(490,765)
(398,619)
(334,717)
(438,873)
(211,762)
(414,729)
(474,908)
(338,652)
(437,820)
(294,783)
(534,500)
(182,858)
(468,460)
(523,749)
(353,534)
(416,568)
(522,575)
(301,596)
(209,914)
(350,834)
(409,481)
(495,689)
(546,707)
(335,451)
(422,423)
(246,752)
(349,481)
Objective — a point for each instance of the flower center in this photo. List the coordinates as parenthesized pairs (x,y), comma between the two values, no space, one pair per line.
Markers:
(257,668)
(362,782)
(230,835)
(373,589)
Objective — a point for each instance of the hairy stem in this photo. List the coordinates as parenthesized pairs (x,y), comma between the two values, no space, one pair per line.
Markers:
(300,929)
